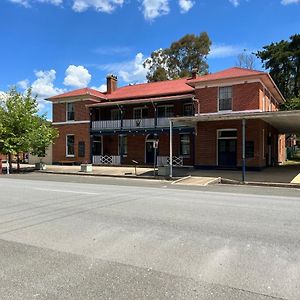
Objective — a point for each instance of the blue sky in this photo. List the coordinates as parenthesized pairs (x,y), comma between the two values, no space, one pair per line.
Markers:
(60,45)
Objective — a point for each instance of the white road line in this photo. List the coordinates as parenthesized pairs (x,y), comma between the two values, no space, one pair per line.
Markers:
(64,191)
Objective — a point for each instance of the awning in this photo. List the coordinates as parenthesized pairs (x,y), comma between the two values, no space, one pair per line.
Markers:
(283,121)
(142,101)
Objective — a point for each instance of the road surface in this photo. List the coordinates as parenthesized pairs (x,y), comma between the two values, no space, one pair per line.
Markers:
(120,239)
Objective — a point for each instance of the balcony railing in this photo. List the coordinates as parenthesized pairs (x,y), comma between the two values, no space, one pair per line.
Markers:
(130,124)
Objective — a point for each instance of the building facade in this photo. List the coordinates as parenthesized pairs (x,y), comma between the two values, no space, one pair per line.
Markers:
(131,124)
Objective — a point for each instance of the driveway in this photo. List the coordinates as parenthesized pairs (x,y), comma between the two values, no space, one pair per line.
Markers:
(71,240)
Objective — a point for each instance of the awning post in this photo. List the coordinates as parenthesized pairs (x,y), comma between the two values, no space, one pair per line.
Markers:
(171,149)
(244,150)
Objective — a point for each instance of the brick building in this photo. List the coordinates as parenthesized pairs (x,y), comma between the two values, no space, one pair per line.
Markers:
(205,113)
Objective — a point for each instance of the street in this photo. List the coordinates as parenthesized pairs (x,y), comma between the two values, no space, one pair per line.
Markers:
(72,237)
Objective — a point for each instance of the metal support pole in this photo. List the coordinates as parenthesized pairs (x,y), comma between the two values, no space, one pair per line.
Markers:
(7,164)
(244,150)
(154,163)
(171,149)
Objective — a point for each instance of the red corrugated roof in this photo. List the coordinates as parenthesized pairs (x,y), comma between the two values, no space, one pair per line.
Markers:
(228,73)
(161,88)
(80,92)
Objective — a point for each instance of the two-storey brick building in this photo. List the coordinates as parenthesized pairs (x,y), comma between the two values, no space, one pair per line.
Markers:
(127,123)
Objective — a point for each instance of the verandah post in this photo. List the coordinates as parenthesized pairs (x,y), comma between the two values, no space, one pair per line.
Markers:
(244,150)
(171,149)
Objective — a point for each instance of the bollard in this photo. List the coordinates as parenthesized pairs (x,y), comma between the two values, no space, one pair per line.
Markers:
(0,166)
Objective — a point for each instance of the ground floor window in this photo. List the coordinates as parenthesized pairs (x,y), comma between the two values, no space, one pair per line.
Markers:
(81,149)
(185,144)
(249,149)
(123,145)
(97,145)
(70,142)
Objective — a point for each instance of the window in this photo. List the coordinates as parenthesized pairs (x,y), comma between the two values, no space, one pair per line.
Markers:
(70,151)
(185,144)
(122,145)
(97,145)
(165,111)
(81,149)
(249,149)
(70,112)
(115,114)
(140,112)
(225,98)
(227,134)
(188,109)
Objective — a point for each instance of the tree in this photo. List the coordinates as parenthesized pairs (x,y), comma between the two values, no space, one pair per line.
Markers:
(246,60)
(180,58)
(41,137)
(291,104)
(20,124)
(282,59)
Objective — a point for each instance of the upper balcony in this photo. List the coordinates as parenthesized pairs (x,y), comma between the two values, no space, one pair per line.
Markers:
(128,124)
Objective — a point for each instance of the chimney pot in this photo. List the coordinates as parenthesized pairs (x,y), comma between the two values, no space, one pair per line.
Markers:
(194,73)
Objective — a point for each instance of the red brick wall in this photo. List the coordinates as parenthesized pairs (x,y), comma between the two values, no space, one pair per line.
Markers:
(81,111)
(81,133)
(246,96)
(206,142)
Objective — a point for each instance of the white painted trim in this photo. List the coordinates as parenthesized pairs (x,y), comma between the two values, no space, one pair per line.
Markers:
(231,111)
(68,155)
(71,122)
(218,99)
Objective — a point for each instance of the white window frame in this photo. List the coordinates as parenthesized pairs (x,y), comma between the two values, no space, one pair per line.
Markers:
(185,155)
(141,108)
(119,139)
(67,120)
(70,155)
(227,110)
(165,106)
(223,138)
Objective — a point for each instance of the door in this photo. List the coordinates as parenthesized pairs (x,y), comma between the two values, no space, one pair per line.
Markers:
(227,153)
(149,152)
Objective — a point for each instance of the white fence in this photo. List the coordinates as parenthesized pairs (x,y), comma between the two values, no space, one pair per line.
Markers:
(106,160)
(165,160)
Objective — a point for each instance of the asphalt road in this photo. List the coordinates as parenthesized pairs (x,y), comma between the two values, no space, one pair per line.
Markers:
(137,239)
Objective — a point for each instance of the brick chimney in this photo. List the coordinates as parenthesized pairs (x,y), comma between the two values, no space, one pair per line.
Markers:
(112,83)
(194,73)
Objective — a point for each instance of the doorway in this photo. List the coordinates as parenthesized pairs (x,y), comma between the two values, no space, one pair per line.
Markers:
(227,148)
(149,149)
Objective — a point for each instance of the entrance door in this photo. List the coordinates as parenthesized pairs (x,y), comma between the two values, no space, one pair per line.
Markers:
(227,153)
(149,152)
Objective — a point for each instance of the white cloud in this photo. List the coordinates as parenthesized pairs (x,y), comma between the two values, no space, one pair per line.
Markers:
(23,84)
(114,50)
(155,8)
(106,6)
(235,3)
(287,2)
(131,71)
(185,5)
(102,88)
(27,3)
(77,76)
(221,51)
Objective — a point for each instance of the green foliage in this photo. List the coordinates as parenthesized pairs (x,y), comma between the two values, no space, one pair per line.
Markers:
(180,58)
(41,136)
(22,130)
(291,104)
(283,61)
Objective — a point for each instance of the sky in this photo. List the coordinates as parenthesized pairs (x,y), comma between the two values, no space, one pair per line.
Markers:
(60,45)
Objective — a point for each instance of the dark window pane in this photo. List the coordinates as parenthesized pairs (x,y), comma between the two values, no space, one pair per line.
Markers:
(70,112)
(188,109)
(249,149)
(70,145)
(81,149)
(184,144)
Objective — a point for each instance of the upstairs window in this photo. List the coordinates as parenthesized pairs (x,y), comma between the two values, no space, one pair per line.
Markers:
(140,113)
(70,112)
(188,109)
(225,98)
(165,111)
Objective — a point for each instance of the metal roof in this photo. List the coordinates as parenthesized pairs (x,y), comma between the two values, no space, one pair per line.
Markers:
(283,121)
